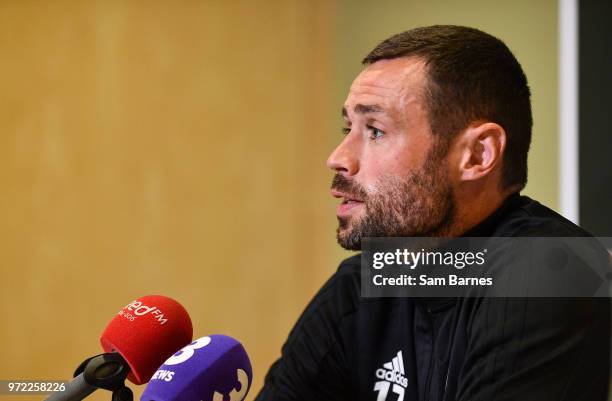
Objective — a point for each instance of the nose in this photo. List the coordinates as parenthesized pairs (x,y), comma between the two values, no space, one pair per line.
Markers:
(345,159)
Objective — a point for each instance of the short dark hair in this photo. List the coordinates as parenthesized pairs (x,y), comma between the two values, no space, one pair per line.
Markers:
(471,76)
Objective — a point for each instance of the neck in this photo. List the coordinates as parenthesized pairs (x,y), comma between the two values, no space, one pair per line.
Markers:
(473,207)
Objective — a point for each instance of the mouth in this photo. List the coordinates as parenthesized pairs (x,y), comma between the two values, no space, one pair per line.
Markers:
(349,203)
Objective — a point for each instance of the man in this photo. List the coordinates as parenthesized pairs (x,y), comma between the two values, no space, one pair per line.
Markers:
(438,127)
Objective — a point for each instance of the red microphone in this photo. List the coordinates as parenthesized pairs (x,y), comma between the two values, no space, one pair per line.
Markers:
(136,342)
(146,332)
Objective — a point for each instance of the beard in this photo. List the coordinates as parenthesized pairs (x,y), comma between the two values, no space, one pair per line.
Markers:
(420,204)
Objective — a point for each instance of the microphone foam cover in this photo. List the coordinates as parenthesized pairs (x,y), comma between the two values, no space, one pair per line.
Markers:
(146,332)
(212,368)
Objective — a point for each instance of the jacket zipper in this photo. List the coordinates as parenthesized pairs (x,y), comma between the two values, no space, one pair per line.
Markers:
(431,356)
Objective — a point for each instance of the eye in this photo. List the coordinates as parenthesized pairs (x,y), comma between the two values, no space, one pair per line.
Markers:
(345,130)
(376,133)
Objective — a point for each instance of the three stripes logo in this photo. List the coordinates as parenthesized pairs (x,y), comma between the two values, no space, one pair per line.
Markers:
(392,378)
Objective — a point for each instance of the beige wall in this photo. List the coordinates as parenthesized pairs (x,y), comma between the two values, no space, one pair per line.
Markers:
(178,148)
(160,148)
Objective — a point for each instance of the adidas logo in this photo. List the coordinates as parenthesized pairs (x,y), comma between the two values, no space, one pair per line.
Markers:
(394,371)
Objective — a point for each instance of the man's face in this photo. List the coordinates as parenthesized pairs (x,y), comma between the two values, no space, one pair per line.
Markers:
(390,174)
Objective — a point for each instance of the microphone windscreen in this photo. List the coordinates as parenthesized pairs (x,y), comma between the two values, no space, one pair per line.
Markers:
(146,332)
(212,368)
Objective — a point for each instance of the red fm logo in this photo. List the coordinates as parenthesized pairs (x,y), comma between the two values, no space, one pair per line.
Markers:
(136,308)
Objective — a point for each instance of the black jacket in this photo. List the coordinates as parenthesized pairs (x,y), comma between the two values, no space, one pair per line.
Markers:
(345,347)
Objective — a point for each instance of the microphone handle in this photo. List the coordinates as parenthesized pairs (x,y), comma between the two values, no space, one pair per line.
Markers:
(76,390)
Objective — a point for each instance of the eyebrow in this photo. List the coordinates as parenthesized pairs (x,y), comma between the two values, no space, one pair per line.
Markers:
(364,109)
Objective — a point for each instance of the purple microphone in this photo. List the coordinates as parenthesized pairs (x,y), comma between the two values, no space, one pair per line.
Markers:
(212,368)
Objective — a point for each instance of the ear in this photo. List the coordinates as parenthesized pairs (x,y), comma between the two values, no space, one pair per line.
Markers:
(481,149)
